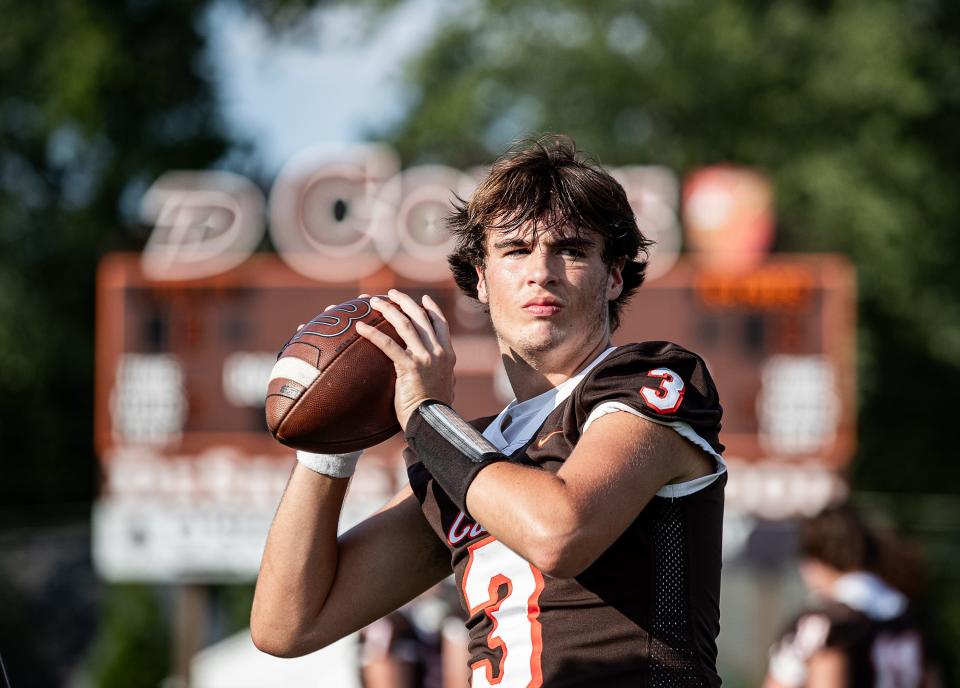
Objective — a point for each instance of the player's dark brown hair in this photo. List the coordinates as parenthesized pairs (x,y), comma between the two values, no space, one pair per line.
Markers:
(840,537)
(544,183)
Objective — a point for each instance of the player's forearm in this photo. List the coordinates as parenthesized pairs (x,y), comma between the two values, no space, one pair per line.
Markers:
(299,561)
(533,512)
(536,513)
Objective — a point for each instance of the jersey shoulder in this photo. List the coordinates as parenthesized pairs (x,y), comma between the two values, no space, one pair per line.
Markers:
(825,625)
(660,380)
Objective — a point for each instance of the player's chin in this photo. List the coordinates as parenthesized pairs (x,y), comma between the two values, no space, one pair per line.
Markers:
(543,337)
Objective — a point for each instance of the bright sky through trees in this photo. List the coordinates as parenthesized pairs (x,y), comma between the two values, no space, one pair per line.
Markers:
(335,83)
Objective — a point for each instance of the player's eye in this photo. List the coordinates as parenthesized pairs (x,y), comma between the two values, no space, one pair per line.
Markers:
(572,252)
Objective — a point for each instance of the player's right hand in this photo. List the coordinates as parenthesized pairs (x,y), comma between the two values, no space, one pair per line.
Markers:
(425,368)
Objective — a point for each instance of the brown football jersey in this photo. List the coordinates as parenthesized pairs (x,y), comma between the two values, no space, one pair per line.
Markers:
(646,612)
(888,650)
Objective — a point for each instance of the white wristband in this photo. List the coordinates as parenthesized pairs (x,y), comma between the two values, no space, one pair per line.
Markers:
(334,465)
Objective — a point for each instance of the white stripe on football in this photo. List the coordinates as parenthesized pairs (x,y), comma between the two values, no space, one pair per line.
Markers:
(298,370)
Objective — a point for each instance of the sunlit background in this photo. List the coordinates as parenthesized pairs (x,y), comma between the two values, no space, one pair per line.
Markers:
(182,183)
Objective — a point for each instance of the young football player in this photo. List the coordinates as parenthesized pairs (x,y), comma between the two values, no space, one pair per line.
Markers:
(858,629)
(583,521)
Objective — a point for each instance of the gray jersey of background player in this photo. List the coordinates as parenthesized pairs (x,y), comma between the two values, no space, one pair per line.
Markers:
(582,522)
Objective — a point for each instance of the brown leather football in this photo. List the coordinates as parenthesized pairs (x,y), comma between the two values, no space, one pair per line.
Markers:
(331,390)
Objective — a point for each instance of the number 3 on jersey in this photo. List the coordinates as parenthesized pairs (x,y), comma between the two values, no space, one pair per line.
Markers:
(514,616)
(665,397)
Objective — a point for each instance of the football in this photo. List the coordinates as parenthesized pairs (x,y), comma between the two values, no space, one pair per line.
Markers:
(331,390)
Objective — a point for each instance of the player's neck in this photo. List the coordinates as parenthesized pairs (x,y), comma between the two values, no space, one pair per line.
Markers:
(819,577)
(534,374)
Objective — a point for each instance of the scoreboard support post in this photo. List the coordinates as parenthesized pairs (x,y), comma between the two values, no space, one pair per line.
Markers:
(190,627)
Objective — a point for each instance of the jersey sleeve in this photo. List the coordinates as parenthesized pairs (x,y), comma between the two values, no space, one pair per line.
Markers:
(660,381)
(790,655)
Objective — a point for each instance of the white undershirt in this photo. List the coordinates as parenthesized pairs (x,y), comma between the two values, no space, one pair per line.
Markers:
(527,417)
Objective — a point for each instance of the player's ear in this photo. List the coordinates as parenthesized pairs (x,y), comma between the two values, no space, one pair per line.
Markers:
(481,286)
(615,278)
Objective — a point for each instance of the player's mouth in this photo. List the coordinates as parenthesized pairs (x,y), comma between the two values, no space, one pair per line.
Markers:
(543,306)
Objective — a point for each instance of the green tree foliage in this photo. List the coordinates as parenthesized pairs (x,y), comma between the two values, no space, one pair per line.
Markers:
(98,99)
(133,647)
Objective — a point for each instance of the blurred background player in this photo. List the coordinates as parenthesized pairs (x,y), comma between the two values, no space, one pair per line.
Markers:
(421,645)
(859,629)
(395,652)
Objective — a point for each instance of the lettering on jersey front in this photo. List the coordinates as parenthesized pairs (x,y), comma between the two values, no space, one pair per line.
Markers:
(897,660)
(464,529)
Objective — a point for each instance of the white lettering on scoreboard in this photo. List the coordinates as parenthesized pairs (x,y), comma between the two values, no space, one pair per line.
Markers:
(203,223)
(153,540)
(203,517)
(340,214)
(798,406)
(148,404)
(246,375)
(781,490)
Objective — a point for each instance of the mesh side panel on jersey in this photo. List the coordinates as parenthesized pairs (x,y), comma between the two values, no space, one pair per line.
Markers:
(672,662)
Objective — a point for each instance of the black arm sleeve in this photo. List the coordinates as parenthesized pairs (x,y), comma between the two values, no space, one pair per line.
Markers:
(450,449)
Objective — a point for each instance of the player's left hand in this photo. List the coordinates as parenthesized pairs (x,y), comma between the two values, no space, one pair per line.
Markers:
(425,367)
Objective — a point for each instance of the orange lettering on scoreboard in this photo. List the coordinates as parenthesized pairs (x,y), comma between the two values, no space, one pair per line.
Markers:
(772,287)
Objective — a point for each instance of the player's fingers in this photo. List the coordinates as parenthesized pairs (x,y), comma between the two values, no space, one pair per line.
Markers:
(409,333)
(382,341)
(418,317)
(440,325)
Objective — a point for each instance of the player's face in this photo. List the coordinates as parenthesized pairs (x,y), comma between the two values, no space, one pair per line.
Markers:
(548,293)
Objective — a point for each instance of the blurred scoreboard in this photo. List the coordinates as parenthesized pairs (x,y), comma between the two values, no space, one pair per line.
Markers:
(191,477)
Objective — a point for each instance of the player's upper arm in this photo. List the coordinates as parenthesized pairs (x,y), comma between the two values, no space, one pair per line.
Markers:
(562,523)
(618,466)
(383,563)
(827,669)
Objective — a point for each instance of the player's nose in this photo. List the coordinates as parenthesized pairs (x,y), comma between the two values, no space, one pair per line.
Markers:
(541,266)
